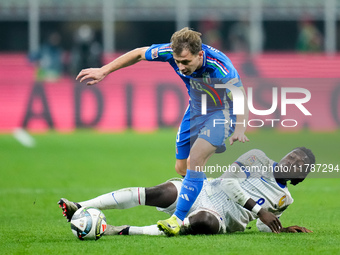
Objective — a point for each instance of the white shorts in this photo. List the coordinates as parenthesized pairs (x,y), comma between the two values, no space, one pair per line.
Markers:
(202,203)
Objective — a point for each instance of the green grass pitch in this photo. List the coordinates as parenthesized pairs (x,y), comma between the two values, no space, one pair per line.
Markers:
(86,164)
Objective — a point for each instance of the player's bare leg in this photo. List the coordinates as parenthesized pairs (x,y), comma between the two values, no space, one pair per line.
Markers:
(200,152)
(181,166)
(163,195)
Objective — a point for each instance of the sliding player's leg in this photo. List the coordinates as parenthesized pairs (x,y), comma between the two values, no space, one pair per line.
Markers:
(199,222)
(120,199)
(151,230)
(202,218)
(162,195)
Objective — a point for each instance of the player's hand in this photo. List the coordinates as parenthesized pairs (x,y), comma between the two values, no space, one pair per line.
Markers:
(95,75)
(270,220)
(296,229)
(238,137)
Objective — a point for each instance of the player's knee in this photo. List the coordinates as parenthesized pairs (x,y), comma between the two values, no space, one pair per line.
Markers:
(197,161)
(181,167)
(162,195)
(204,223)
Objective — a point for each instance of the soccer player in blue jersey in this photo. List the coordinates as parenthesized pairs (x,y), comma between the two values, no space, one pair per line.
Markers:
(201,68)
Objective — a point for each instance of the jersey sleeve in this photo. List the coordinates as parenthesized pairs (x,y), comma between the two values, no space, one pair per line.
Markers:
(231,184)
(235,81)
(159,52)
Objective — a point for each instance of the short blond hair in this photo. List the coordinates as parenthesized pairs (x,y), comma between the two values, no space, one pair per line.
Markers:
(186,39)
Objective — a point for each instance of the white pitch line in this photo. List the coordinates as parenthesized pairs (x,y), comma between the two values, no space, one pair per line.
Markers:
(24,137)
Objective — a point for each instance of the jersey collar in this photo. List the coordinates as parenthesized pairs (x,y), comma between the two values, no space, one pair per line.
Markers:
(202,68)
(204,59)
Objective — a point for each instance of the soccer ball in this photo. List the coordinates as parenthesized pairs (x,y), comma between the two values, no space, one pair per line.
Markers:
(88,223)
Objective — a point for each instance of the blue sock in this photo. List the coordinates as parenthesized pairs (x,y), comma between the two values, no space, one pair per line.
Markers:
(191,187)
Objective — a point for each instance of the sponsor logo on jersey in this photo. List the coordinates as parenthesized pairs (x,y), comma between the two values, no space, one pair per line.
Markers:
(282,201)
(154,53)
(206,132)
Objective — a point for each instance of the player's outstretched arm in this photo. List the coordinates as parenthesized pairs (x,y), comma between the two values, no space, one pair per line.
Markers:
(241,124)
(95,75)
(295,229)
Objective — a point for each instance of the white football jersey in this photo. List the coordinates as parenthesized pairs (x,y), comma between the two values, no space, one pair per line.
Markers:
(251,176)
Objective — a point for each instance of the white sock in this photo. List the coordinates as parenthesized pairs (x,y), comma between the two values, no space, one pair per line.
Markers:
(120,199)
(147,230)
(186,222)
(179,221)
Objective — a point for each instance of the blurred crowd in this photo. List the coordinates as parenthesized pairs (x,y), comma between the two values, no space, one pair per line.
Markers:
(53,60)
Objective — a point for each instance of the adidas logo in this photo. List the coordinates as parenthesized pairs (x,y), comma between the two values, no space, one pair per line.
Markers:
(184,196)
(206,132)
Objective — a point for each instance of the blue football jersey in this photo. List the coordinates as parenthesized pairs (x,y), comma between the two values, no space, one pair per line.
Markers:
(216,69)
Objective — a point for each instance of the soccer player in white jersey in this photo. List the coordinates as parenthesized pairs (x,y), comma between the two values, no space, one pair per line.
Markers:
(203,69)
(255,187)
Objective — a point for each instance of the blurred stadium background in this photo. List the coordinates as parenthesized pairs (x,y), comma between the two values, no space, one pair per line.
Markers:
(45,43)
